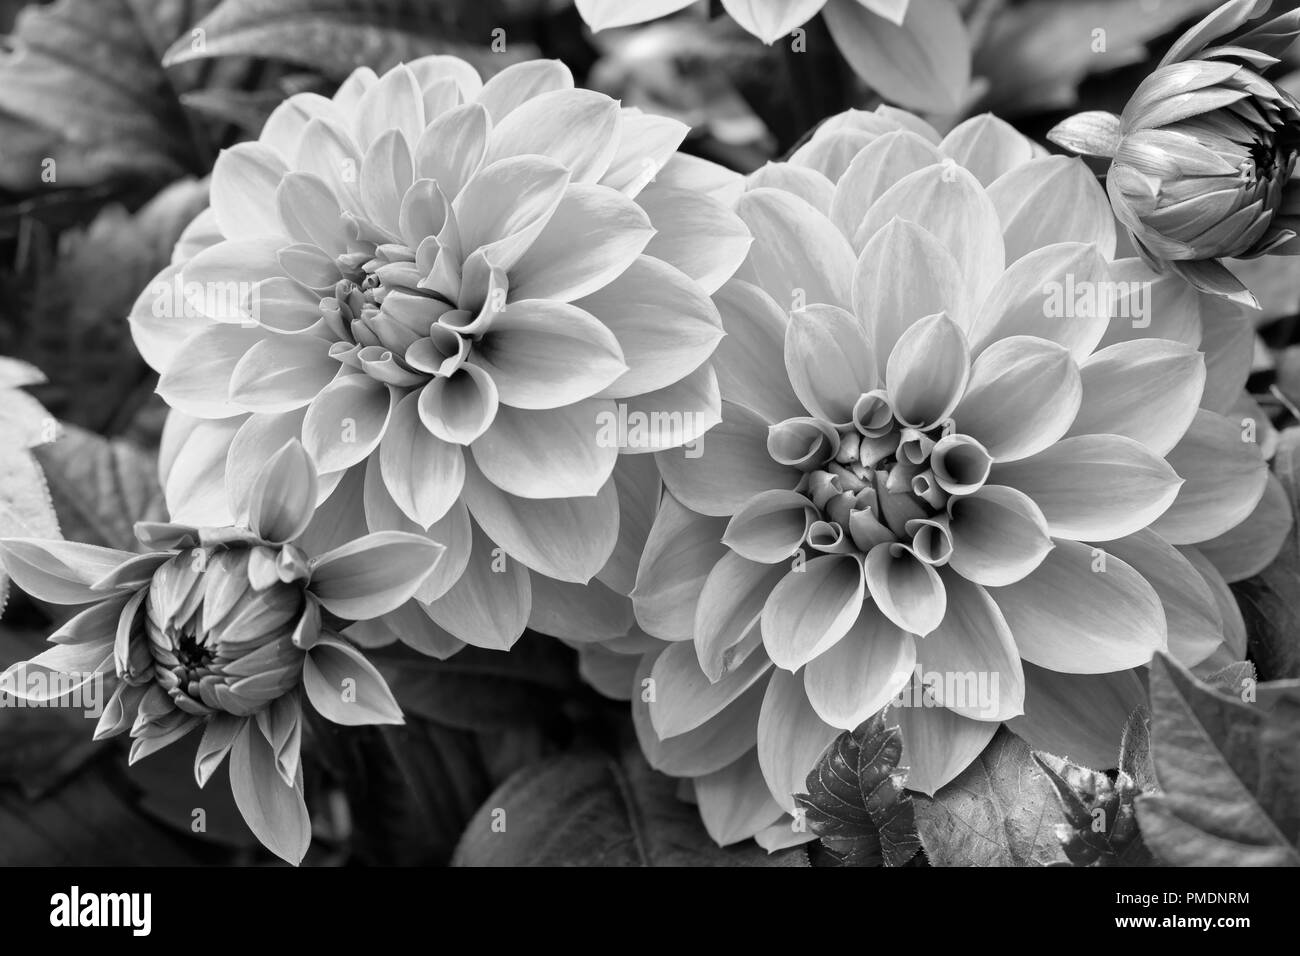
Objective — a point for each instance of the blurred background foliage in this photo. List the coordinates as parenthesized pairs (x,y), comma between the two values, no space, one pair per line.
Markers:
(112,113)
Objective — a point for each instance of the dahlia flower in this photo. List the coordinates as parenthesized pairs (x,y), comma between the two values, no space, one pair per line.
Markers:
(227,630)
(913,52)
(1203,154)
(964,463)
(454,293)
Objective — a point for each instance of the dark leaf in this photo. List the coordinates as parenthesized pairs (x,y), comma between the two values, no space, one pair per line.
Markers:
(87,75)
(1100,827)
(247,110)
(1233,678)
(1135,750)
(1001,811)
(41,746)
(588,808)
(25,506)
(481,690)
(1270,601)
(1229,772)
(101,487)
(1035,54)
(856,803)
(336,36)
(422,784)
(170,794)
(91,821)
(98,383)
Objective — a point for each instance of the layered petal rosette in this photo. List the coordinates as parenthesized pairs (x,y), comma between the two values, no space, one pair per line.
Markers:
(458,295)
(225,631)
(1203,155)
(965,462)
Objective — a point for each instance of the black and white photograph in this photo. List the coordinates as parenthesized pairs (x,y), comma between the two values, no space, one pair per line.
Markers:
(673,434)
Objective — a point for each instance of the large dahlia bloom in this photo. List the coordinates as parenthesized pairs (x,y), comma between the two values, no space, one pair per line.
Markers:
(965,462)
(225,630)
(462,297)
(1203,155)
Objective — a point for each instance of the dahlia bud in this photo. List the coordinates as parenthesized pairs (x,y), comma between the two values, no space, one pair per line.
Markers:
(1202,155)
(218,642)
(228,630)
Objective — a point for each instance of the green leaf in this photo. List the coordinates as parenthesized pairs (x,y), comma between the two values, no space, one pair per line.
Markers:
(856,803)
(1001,811)
(1229,770)
(1270,601)
(588,808)
(101,488)
(336,36)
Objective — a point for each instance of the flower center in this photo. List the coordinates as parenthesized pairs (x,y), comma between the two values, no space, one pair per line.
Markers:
(191,654)
(387,327)
(876,480)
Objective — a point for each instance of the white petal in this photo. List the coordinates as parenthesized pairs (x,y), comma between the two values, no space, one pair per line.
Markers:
(1049,200)
(1024,392)
(548,453)
(948,202)
(881,164)
(1060,293)
(1147,390)
(798,256)
(684,698)
(791,737)
(939,744)
(971,658)
(520,82)
(828,361)
(664,323)
(695,233)
(595,234)
(1083,612)
(904,274)
(681,550)
(770,21)
(862,673)
(750,360)
(1224,474)
(1191,614)
(569,539)
(244,180)
(987,146)
(736,467)
(811,609)
(577,128)
(1094,487)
